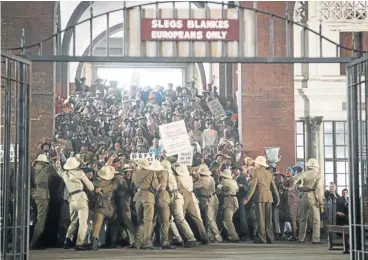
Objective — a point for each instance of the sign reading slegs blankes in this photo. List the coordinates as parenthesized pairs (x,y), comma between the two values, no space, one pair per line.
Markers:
(189,30)
(175,137)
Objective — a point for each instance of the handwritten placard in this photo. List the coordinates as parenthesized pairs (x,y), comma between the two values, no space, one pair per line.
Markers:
(186,158)
(175,137)
(216,108)
(12,152)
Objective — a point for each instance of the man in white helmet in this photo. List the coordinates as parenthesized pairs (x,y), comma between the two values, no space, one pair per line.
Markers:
(312,200)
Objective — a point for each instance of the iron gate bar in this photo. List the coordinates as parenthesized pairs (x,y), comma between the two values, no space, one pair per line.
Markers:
(65,58)
(254,9)
(16,87)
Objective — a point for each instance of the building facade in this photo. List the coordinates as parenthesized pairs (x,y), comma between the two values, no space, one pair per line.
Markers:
(321,89)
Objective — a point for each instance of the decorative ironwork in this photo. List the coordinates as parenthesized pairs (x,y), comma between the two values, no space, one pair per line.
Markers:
(339,11)
(301,12)
(136,50)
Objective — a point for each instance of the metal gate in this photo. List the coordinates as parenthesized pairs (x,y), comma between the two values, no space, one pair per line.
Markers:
(14,157)
(357,72)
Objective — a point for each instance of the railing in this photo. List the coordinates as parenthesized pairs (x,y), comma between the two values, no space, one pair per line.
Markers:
(246,33)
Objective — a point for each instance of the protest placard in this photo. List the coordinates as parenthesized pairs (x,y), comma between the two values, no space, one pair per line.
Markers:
(186,158)
(216,108)
(175,137)
(136,156)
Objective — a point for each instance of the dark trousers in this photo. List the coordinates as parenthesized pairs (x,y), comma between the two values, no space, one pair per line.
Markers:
(63,221)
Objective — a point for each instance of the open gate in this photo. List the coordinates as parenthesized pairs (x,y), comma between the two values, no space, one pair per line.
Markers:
(15,93)
(14,157)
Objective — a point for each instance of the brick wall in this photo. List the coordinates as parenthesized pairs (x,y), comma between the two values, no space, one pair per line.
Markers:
(37,18)
(268,107)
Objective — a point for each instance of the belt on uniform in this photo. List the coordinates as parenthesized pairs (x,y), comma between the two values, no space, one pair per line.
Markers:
(75,192)
(208,197)
(307,190)
(149,190)
(173,191)
(230,196)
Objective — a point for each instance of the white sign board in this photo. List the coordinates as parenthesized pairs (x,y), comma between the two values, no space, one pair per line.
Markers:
(12,152)
(186,158)
(137,156)
(175,137)
(216,108)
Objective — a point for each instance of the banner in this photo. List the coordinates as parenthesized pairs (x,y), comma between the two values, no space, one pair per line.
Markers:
(137,156)
(186,158)
(175,137)
(216,108)
(189,29)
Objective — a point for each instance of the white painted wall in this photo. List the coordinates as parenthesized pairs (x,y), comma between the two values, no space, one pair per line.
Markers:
(325,88)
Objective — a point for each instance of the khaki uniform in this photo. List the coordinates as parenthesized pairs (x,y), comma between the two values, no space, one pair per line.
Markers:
(145,205)
(163,204)
(311,203)
(78,202)
(123,208)
(41,196)
(205,188)
(262,187)
(176,206)
(187,182)
(105,205)
(190,207)
(230,206)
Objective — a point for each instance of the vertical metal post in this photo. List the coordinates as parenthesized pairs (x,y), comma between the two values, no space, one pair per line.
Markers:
(272,37)
(223,43)
(320,39)
(6,159)
(141,46)
(157,43)
(108,34)
(287,31)
(353,159)
(91,29)
(255,29)
(207,16)
(190,17)
(241,31)
(175,43)
(125,31)
(74,40)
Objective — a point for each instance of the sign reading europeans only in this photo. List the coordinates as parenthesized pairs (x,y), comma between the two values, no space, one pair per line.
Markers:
(175,137)
(189,29)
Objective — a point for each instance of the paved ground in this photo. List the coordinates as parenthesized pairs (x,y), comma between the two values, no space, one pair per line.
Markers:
(282,251)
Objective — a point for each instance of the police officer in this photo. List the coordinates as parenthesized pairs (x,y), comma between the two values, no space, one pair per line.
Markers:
(40,193)
(147,184)
(229,187)
(105,206)
(205,188)
(312,200)
(74,179)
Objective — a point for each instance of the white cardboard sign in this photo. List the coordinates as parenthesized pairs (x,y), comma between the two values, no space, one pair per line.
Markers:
(175,137)
(186,158)
(216,108)
(136,156)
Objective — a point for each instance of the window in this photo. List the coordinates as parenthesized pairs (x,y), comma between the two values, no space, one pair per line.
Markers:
(336,154)
(300,142)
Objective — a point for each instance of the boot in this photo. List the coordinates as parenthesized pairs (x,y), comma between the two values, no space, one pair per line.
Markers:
(94,243)
(68,243)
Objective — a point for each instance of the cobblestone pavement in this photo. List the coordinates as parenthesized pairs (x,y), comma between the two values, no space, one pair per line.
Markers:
(239,251)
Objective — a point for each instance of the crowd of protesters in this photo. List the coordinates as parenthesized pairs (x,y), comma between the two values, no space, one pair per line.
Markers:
(88,191)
